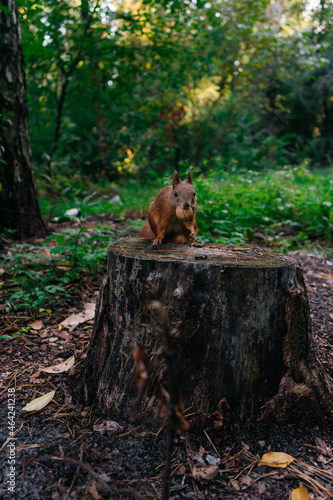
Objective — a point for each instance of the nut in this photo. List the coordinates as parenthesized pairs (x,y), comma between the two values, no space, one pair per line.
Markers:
(184,215)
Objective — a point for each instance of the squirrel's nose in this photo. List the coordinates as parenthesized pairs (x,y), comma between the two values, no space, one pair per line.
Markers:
(186,206)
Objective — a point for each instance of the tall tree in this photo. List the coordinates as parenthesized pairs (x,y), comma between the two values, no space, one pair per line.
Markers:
(19,208)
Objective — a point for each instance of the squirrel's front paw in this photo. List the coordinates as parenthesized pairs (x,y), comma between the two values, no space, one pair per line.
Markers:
(157,242)
(191,236)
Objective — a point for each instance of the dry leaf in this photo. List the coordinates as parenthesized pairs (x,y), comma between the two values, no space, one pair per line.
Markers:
(110,426)
(211,460)
(64,435)
(199,459)
(261,488)
(204,471)
(93,492)
(246,480)
(104,477)
(300,493)
(181,420)
(36,325)
(61,367)
(276,459)
(202,451)
(235,485)
(39,403)
(76,319)
(181,471)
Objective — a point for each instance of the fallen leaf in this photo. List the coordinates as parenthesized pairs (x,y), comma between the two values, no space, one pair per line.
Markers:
(36,325)
(276,459)
(109,425)
(64,335)
(300,493)
(204,471)
(199,459)
(93,492)
(64,435)
(61,367)
(39,403)
(261,488)
(76,319)
(235,485)
(212,460)
(181,471)
(246,480)
(105,477)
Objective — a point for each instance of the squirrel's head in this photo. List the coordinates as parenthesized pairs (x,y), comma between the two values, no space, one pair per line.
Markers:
(183,194)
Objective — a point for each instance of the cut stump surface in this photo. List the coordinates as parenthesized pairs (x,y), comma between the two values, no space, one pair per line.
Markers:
(238,317)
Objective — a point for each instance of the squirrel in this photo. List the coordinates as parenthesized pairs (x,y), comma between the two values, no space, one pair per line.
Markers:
(171,217)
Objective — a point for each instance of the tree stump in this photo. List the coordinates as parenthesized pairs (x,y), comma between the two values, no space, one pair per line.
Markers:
(238,318)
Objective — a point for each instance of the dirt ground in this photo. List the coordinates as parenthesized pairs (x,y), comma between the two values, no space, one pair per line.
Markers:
(70,451)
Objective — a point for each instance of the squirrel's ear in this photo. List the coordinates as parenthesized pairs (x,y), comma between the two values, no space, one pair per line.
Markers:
(176,179)
(189,177)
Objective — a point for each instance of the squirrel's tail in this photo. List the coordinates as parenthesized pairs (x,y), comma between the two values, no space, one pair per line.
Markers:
(146,232)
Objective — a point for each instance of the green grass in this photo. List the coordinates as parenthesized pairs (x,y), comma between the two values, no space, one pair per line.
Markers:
(233,208)
(91,199)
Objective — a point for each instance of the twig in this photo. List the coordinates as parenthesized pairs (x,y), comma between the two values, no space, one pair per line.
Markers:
(211,442)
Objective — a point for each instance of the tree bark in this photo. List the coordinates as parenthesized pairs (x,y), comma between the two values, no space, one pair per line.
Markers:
(19,208)
(238,318)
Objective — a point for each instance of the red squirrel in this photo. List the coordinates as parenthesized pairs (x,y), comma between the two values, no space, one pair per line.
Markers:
(171,217)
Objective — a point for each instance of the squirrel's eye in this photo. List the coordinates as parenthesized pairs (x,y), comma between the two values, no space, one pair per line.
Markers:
(194,195)
(176,193)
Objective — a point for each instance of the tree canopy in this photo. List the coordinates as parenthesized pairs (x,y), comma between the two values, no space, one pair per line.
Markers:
(131,87)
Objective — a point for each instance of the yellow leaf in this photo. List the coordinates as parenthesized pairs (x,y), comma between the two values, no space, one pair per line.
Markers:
(300,493)
(39,403)
(60,367)
(276,459)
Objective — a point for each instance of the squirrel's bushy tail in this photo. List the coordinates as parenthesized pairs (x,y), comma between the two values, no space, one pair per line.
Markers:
(146,232)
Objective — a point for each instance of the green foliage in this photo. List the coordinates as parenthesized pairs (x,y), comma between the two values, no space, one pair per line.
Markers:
(83,249)
(19,333)
(60,194)
(151,85)
(40,278)
(238,207)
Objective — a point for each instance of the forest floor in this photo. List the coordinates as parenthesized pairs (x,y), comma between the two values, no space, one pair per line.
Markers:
(70,451)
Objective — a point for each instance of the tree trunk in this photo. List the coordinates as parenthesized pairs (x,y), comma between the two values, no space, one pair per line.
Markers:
(238,318)
(19,208)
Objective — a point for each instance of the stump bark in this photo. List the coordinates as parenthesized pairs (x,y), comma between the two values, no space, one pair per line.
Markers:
(239,321)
